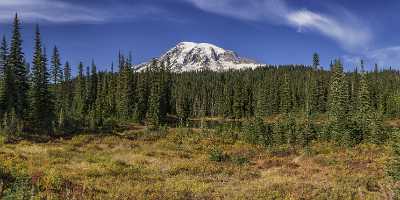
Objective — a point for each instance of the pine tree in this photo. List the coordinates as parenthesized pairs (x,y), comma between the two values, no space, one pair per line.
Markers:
(166,79)
(112,96)
(262,102)
(87,105)
(5,76)
(56,69)
(183,108)
(338,104)
(42,100)
(56,78)
(239,101)
(80,93)
(67,90)
(143,88)
(307,132)
(316,60)
(375,88)
(364,114)
(126,89)
(19,70)
(286,98)
(393,168)
(228,105)
(156,114)
(92,93)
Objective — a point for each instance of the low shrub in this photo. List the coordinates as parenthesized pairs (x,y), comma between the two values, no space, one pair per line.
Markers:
(239,159)
(217,155)
(154,134)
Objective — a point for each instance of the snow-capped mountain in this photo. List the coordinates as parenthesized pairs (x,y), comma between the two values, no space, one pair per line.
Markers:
(190,56)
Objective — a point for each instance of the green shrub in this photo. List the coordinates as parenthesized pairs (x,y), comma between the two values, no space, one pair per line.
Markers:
(217,155)
(16,185)
(153,134)
(393,168)
(227,133)
(258,132)
(239,159)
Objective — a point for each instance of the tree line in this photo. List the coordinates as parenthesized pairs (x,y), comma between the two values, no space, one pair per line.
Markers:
(42,97)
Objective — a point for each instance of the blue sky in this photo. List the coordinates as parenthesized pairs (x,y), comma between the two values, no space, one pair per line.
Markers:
(269,31)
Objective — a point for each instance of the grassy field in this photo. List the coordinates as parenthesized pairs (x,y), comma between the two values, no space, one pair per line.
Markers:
(189,164)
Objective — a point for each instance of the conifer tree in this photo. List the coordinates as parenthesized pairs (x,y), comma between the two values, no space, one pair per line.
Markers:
(354,91)
(338,104)
(19,70)
(42,100)
(56,69)
(111,94)
(376,86)
(126,89)
(80,92)
(393,168)
(143,91)
(67,90)
(92,93)
(239,100)
(228,106)
(183,108)
(307,131)
(286,98)
(364,114)
(166,79)
(262,101)
(5,76)
(56,78)
(156,114)
(316,61)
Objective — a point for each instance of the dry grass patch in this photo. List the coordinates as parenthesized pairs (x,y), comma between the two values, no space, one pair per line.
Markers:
(178,166)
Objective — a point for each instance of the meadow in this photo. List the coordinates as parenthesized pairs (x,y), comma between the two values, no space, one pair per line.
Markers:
(187,163)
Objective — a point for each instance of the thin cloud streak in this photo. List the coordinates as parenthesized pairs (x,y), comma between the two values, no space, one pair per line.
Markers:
(57,11)
(385,57)
(349,33)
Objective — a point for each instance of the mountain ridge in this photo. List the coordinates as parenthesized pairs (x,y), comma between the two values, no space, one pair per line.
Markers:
(191,56)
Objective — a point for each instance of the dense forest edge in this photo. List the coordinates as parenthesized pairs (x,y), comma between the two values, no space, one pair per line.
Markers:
(289,110)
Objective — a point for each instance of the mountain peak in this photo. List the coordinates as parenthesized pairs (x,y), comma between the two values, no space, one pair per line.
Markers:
(191,56)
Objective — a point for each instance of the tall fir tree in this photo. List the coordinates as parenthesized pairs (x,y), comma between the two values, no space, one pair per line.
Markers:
(80,93)
(56,68)
(17,64)
(42,114)
(316,61)
(286,96)
(156,114)
(143,92)
(92,92)
(56,78)
(262,101)
(126,88)
(364,108)
(67,89)
(338,112)
(5,78)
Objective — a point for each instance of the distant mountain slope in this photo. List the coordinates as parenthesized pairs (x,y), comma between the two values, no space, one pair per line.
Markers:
(190,56)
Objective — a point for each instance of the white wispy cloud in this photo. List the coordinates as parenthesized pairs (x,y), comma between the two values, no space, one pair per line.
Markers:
(351,36)
(57,11)
(385,57)
(350,32)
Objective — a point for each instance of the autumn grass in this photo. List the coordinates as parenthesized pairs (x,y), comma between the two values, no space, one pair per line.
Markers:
(179,164)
